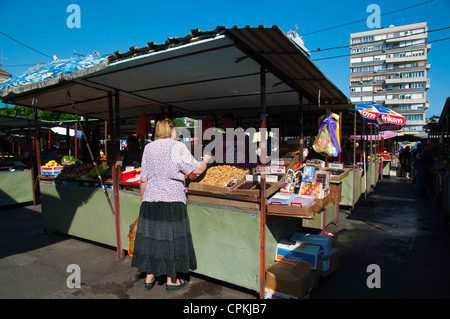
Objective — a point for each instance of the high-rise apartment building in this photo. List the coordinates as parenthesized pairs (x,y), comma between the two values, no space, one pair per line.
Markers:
(389,67)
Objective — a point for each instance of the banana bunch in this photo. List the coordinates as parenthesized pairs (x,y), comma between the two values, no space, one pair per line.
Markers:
(51,163)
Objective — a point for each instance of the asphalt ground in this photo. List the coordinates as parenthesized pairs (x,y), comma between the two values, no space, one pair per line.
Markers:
(408,240)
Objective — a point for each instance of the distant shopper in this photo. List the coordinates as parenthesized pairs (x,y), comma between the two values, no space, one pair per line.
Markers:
(401,164)
(163,243)
(424,170)
(407,161)
(416,158)
(133,156)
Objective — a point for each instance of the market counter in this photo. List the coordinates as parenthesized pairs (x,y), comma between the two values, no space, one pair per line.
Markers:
(226,239)
(351,184)
(16,187)
(386,167)
(78,211)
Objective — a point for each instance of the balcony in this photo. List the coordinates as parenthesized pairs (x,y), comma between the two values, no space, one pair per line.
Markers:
(422,35)
(399,80)
(405,59)
(406,101)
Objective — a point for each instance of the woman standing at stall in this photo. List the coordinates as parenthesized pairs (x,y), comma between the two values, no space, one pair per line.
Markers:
(163,243)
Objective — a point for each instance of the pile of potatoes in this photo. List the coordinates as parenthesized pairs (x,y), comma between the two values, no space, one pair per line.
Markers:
(221,175)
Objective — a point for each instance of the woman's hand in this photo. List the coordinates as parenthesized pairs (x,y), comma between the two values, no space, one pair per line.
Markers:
(203,165)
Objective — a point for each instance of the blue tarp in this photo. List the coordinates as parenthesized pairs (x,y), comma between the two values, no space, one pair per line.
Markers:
(52,70)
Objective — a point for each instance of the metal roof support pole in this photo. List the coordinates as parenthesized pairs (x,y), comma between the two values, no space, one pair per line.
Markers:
(37,134)
(300,123)
(354,161)
(75,140)
(117,118)
(115,179)
(106,138)
(263,146)
(38,155)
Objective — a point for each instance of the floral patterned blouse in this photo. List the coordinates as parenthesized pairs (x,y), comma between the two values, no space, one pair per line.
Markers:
(165,163)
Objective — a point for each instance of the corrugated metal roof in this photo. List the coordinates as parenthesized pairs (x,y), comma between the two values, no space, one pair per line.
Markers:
(199,74)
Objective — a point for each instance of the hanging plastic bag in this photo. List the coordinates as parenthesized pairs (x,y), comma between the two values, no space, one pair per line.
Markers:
(323,144)
(132,237)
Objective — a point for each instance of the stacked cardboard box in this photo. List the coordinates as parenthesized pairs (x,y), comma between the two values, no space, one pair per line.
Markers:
(301,260)
(289,281)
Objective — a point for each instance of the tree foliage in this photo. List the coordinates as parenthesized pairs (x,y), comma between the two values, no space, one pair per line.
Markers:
(27,112)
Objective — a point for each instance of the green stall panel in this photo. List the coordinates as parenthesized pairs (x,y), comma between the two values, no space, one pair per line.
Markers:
(227,242)
(322,219)
(16,187)
(78,211)
(348,186)
(386,168)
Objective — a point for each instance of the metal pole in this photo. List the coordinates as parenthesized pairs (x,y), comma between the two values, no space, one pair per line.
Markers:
(37,143)
(262,260)
(75,135)
(364,159)
(354,160)
(115,179)
(302,137)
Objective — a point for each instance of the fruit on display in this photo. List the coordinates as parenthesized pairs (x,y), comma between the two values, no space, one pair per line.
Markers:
(68,159)
(51,163)
(80,170)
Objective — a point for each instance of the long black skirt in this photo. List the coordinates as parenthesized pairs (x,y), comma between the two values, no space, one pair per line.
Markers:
(163,242)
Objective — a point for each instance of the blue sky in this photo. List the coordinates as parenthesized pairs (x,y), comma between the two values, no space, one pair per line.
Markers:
(109,26)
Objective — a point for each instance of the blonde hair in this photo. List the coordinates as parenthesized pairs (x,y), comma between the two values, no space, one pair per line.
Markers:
(163,128)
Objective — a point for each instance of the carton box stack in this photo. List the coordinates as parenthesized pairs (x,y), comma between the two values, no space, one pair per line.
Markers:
(300,262)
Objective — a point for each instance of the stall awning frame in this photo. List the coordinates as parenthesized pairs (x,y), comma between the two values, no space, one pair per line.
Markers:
(210,71)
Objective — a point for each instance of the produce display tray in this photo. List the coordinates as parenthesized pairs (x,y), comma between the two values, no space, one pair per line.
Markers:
(301,212)
(55,170)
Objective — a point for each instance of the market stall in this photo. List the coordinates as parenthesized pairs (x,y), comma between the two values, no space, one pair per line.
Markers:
(16,184)
(273,82)
(17,173)
(439,142)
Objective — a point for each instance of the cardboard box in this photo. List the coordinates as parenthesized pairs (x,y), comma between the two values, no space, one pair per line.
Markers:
(287,281)
(321,240)
(294,253)
(330,262)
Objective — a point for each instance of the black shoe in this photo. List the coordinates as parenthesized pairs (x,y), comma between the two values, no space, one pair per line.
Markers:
(149,286)
(170,289)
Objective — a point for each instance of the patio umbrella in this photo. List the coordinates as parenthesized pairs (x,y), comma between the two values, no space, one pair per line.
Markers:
(385,118)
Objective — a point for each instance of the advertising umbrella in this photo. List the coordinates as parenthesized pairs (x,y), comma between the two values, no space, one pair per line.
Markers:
(385,118)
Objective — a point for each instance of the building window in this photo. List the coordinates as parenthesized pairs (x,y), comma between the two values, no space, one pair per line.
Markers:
(412,74)
(417,85)
(415,117)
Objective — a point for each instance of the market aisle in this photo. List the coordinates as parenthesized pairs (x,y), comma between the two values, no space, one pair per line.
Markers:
(33,265)
(406,237)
